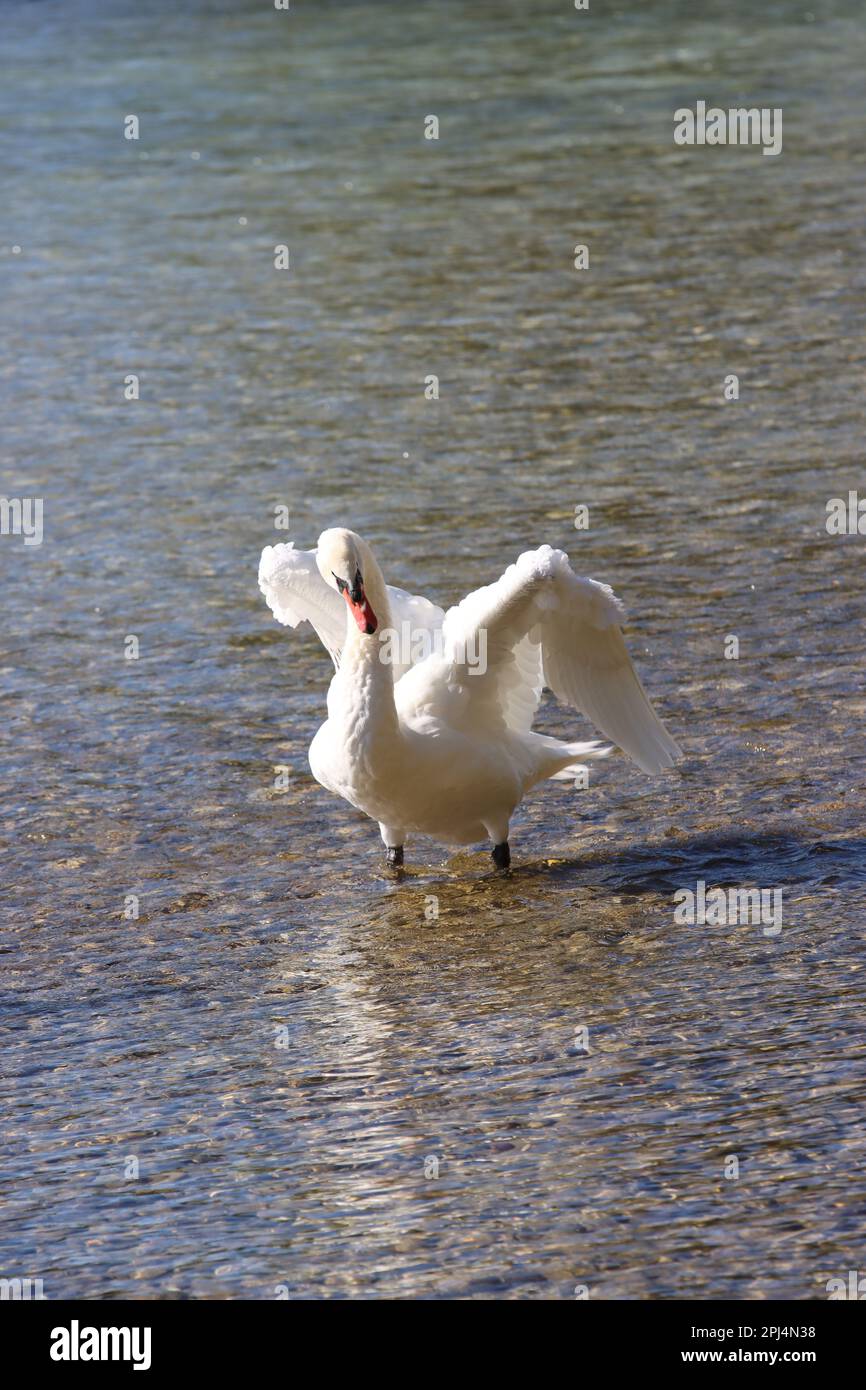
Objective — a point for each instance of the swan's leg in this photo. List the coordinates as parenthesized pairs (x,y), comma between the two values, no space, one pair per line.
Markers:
(498,832)
(393,841)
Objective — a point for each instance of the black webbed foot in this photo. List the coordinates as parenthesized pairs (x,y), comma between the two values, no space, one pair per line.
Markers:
(502,855)
(395,856)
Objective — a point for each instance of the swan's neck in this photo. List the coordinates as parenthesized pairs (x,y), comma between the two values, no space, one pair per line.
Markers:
(364,682)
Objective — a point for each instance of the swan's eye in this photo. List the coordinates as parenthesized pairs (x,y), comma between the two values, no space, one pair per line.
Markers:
(341,583)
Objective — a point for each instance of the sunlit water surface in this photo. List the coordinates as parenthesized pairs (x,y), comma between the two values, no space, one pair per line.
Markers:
(266,916)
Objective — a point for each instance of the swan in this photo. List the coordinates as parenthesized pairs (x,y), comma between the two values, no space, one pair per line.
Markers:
(429,727)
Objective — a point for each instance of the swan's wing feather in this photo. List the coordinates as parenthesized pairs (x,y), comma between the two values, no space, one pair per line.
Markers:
(297,593)
(573,625)
(492,642)
(587,665)
(524,683)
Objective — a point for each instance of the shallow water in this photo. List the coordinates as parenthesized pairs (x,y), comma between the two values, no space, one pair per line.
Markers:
(406,1039)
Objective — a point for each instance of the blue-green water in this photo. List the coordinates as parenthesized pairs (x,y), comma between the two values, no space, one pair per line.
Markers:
(408,1039)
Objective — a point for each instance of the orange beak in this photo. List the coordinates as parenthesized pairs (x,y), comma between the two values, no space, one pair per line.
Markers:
(361,611)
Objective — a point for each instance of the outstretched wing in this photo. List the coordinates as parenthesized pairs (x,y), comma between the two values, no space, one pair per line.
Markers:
(544,625)
(297,593)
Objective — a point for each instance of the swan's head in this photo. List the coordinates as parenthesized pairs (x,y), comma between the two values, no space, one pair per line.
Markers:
(344,560)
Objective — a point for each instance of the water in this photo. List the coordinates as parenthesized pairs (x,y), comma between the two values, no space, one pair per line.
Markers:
(407,1039)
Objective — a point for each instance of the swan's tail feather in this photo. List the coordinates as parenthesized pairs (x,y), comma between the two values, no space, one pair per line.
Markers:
(582,753)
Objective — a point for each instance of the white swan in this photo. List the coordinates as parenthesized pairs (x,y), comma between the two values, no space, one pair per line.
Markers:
(430,713)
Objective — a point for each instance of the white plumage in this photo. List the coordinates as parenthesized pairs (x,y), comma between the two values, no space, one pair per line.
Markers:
(430,714)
